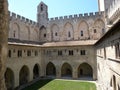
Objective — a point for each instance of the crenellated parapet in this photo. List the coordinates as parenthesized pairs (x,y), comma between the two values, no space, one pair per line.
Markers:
(76,16)
(22,19)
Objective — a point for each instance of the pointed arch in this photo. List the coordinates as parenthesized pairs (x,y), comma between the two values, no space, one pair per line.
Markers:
(66,70)
(24,75)
(14,32)
(50,69)
(85,70)
(9,79)
(83,30)
(43,33)
(99,26)
(68,30)
(55,32)
(36,71)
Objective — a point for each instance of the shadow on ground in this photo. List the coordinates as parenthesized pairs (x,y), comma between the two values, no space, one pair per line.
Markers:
(37,85)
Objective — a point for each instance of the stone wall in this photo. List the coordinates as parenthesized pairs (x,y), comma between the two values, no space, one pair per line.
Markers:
(108,60)
(3,40)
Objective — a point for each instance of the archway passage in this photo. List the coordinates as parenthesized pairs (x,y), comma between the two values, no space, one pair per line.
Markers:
(9,79)
(35,71)
(24,75)
(66,70)
(85,71)
(50,69)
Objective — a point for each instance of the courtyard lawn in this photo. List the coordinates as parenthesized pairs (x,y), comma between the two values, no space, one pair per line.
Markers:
(61,85)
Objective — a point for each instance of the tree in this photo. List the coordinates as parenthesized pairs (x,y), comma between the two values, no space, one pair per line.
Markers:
(3,40)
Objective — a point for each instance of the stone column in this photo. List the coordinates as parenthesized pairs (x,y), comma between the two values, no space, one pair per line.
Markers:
(3,40)
(74,73)
(58,72)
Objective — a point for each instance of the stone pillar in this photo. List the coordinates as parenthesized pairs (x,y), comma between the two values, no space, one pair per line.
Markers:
(3,40)
(58,72)
(74,73)
(16,84)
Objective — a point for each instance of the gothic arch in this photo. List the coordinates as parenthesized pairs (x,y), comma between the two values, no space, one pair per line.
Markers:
(15,31)
(43,33)
(50,69)
(83,30)
(68,31)
(24,75)
(99,26)
(9,79)
(36,71)
(55,32)
(66,70)
(85,70)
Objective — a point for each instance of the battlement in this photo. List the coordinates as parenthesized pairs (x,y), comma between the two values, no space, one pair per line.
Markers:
(21,18)
(77,16)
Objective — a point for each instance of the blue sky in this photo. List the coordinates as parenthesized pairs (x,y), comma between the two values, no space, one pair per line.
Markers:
(56,8)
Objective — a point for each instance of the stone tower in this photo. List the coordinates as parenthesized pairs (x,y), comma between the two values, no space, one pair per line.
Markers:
(42,14)
(103,5)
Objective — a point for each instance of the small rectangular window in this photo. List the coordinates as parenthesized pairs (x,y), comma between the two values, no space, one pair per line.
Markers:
(9,53)
(95,31)
(60,53)
(81,33)
(69,34)
(36,53)
(44,35)
(70,52)
(82,52)
(117,50)
(19,53)
(28,53)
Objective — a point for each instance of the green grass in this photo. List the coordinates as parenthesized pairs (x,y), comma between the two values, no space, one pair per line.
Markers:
(61,85)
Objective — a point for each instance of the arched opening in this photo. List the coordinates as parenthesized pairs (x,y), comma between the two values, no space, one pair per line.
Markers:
(9,79)
(24,75)
(66,70)
(50,69)
(114,83)
(85,71)
(35,71)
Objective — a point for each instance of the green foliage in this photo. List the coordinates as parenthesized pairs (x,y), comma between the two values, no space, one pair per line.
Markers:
(61,85)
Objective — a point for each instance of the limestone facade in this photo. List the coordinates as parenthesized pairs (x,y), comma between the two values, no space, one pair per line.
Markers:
(108,51)
(59,47)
